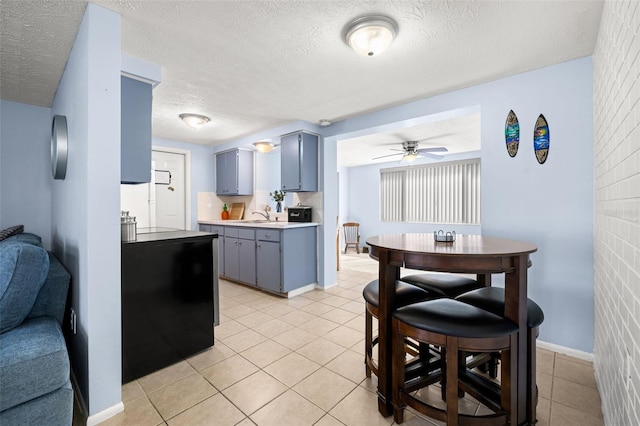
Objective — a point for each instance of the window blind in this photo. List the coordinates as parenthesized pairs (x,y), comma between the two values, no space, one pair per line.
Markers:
(435,193)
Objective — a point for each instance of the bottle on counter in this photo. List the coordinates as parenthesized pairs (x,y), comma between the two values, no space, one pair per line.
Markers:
(225,212)
(128,227)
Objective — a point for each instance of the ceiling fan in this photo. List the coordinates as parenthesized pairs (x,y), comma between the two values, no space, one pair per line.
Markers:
(410,152)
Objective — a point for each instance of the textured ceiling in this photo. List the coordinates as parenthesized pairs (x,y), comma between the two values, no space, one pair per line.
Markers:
(256,65)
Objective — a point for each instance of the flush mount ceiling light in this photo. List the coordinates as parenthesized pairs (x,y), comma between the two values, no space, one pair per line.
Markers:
(263,146)
(325,123)
(194,120)
(370,35)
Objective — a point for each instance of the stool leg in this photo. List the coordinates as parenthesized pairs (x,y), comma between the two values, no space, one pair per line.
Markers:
(443,369)
(368,340)
(452,381)
(462,364)
(508,380)
(397,372)
(532,397)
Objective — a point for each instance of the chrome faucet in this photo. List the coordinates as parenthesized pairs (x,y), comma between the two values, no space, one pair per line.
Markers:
(265,214)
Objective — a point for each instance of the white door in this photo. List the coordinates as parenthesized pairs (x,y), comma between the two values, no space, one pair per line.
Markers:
(170,199)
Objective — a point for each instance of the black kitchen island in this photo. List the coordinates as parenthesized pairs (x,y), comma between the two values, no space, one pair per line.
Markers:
(169,298)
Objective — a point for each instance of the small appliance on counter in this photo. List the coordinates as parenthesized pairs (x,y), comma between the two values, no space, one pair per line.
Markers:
(299,213)
(128,227)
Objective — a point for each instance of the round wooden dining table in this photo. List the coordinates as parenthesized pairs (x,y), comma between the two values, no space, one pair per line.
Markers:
(468,254)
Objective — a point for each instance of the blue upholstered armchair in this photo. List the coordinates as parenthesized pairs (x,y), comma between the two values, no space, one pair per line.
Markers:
(34,364)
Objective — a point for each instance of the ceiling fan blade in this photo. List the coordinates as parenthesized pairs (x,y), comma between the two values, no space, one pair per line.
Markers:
(434,149)
(390,155)
(429,155)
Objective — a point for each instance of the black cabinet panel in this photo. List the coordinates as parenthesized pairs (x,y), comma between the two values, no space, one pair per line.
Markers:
(167,303)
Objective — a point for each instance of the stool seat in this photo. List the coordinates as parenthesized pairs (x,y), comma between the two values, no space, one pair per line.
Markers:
(454,318)
(405,293)
(443,285)
(457,328)
(492,299)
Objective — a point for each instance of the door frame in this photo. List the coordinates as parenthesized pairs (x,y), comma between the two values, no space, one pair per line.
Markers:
(187,179)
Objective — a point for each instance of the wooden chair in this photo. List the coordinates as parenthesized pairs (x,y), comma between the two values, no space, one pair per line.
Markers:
(351,235)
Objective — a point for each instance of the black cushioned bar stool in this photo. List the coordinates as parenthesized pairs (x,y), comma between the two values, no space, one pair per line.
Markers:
(455,326)
(492,299)
(405,295)
(443,285)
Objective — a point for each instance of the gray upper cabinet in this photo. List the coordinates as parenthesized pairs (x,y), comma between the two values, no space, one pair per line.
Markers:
(299,162)
(234,172)
(135,131)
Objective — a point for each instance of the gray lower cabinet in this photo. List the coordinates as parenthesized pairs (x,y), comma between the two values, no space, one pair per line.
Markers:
(268,266)
(240,255)
(299,258)
(275,260)
(220,231)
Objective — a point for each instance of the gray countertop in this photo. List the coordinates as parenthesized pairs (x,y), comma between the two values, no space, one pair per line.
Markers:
(259,223)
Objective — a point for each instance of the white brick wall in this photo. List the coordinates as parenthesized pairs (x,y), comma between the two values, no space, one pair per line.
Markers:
(616,92)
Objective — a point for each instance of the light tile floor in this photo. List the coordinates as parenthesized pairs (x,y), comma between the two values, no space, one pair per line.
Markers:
(299,361)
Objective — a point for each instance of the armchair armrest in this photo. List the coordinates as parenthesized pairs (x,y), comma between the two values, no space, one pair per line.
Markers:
(52,297)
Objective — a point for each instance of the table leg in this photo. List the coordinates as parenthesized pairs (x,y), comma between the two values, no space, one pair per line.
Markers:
(516,311)
(484,279)
(387,283)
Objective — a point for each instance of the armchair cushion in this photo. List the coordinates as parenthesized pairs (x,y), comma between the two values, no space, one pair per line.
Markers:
(23,270)
(34,361)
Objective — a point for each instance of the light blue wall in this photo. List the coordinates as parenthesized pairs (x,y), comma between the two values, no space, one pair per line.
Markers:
(267,170)
(343,194)
(202,171)
(25,168)
(85,214)
(550,205)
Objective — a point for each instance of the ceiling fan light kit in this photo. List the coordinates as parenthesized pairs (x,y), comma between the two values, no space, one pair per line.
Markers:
(370,35)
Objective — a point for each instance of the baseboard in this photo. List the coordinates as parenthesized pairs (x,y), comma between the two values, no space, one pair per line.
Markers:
(105,414)
(80,412)
(301,290)
(564,350)
(326,287)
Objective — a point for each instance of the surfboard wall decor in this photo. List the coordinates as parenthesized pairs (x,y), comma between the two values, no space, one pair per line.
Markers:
(541,139)
(512,133)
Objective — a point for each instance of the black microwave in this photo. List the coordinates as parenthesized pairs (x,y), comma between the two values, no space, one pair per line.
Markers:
(299,214)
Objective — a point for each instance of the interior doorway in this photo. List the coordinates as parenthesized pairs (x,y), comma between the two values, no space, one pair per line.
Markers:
(169,204)
(165,202)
